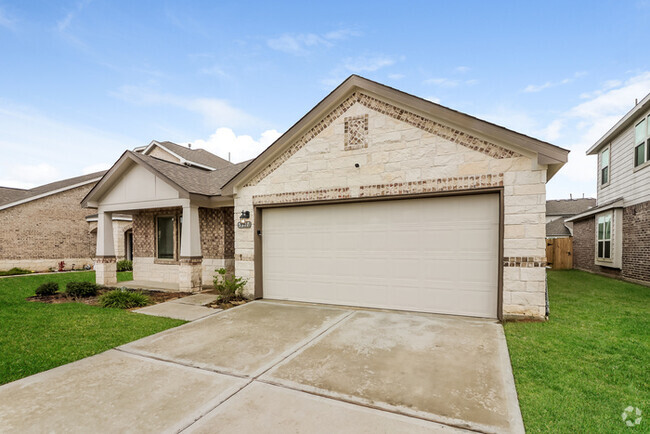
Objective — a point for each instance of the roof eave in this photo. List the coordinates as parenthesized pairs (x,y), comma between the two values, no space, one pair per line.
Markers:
(547,154)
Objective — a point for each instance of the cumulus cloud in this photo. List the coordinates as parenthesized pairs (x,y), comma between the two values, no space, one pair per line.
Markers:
(224,142)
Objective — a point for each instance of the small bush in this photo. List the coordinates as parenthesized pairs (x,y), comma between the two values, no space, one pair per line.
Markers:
(123,299)
(124,265)
(81,289)
(14,271)
(48,288)
(228,287)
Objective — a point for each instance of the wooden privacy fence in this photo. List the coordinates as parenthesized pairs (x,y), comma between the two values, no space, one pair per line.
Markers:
(559,253)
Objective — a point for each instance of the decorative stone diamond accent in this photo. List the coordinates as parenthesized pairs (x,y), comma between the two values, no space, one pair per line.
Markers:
(395,112)
(356,132)
(526,262)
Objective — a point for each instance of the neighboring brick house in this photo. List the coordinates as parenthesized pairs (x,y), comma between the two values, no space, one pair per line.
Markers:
(374,198)
(558,211)
(43,226)
(614,237)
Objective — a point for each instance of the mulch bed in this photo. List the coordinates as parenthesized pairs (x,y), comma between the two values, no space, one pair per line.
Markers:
(237,301)
(60,297)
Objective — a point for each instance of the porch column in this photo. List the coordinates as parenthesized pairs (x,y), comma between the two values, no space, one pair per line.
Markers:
(105,266)
(191,259)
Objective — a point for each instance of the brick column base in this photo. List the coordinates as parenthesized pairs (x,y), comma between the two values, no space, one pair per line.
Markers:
(106,271)
(190,273)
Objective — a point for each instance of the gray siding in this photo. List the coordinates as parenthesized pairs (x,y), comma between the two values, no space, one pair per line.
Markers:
(624,182)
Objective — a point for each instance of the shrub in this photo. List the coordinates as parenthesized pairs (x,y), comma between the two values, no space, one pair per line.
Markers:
(81,289)
(15,271)
(228,287)
(124,265)
(123,299)
(48,288)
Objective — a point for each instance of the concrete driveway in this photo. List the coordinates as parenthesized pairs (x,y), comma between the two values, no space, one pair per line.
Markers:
(283,367)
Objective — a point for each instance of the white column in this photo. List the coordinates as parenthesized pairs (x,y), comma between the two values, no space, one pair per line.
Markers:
(190,233)
(105,243)
(105,267)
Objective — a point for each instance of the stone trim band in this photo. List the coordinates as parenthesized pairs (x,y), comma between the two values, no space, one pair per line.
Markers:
(395,112)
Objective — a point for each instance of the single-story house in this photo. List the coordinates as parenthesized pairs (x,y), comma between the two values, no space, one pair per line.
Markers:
(42,226)
(558,211)
(613,238)
(374,198)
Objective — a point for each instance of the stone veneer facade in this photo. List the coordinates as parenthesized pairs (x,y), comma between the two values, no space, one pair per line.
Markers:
(636,245)
(408,154)
(217,247)
(37,235)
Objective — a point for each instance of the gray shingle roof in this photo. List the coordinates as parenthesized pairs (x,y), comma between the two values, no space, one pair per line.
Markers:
(200,156)
(192,179)
(10,195)
(556,228)
(569,207)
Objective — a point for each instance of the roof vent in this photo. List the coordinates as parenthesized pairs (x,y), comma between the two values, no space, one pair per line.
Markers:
(189,145)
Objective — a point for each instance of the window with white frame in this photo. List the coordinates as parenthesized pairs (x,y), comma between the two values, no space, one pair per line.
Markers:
(605,237)
(604,167)
(641,143)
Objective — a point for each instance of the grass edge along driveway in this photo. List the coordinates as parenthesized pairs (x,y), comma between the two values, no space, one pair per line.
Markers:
(580,370)
(35,337)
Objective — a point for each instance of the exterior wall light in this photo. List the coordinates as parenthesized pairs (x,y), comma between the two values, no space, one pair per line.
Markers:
(243,220)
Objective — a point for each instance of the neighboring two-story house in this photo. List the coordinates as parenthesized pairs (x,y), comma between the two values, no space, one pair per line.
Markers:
(614,236)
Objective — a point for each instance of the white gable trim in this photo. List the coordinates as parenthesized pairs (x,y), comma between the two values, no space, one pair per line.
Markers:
(182,160)
(49,193)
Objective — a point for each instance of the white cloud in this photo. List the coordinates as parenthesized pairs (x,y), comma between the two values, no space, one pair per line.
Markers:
(224,142)
(462,69)
(33,143)
(367,63)
(6,21)
(396,76)
(433,99)
(98,167)
(533,88)
(29,175)
(63,24)
(215,112)
(301,44)
(449,82)
(214,70)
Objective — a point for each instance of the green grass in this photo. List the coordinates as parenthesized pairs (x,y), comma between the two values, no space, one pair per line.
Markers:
(581,369)
(35,337)
(14,271)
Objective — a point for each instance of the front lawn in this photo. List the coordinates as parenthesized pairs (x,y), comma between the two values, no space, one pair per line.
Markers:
(35,337)
(580,370)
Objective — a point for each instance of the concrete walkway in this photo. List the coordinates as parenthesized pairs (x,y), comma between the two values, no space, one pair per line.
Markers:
(188,308)
(283,367)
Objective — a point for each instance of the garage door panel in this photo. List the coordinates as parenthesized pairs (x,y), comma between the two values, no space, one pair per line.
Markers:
(432,255)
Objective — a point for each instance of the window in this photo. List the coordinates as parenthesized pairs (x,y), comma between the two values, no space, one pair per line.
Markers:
(604,167)
(641,143)
(165,244)
(605,237)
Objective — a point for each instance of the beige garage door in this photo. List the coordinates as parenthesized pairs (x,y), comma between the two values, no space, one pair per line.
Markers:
(430,255)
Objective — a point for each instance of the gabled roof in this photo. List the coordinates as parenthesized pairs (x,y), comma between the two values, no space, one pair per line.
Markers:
(557,228)
(612,204)
(185,178)
(10,197)
(547,154)
(569,207)
(622,124)
(198,157)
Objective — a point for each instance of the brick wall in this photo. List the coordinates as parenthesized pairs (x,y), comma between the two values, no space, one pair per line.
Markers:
(51,228)
(217,235)
(636,242)
(583,244)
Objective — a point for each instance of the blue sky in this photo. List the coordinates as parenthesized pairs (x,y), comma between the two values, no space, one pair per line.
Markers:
(80,82)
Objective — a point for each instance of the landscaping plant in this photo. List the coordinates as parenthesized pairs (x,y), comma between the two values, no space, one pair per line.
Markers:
(123,299)
(81,289)
(47,288)
(124,265)
(228,287)
(14,271)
